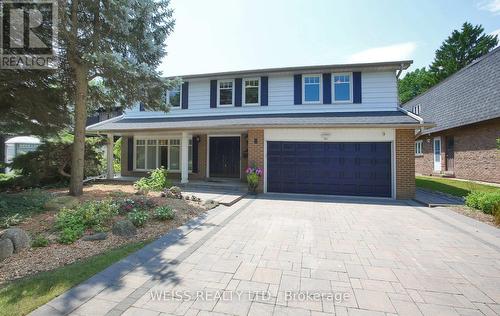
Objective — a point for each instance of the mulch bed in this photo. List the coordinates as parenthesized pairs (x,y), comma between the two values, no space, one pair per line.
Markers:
(36,260)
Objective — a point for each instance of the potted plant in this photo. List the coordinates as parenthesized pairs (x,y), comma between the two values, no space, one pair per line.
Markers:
(253,176)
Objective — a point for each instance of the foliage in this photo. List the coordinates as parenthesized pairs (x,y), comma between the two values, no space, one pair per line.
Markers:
(138,217)
(163,213)
(453,187)
(141,203)
(155,181)
(487,202)
(14,207)
(460,49)
(414,83)
(23,296)
(51,162)
(117,156)
(40,241)
(253,175)
(92,214)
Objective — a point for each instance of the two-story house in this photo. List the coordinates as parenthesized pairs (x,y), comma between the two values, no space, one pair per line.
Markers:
(333,129)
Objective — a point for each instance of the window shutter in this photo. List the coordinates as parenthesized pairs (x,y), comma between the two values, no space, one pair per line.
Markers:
(213,93)
(237,91)
(356,87)
(297,89)
(185,95)
(141,107)
(195,154)
(264,91)
(130,153)
(327,88)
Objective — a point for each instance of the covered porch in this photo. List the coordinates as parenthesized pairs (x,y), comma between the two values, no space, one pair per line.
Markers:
(210,157)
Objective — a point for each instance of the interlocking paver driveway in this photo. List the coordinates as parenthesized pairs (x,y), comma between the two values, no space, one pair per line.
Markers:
(388,257)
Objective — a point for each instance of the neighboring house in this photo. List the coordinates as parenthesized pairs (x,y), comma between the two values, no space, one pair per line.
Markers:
(19,145)
(334,129)
(466,110)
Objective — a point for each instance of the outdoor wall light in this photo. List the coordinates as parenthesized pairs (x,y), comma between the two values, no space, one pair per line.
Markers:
(255,141)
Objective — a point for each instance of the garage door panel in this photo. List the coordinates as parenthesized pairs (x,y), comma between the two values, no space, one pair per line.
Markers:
(329,168)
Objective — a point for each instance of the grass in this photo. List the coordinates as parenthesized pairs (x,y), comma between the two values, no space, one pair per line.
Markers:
(25,295)
(453,187)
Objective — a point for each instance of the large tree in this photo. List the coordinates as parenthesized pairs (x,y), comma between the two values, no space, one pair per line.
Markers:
(110,52)
(460,49)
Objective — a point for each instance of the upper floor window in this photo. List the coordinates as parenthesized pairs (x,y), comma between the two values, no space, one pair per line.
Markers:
(225,94)
(174,97)
(251,91)
(416,109)
(311,89)
(419,147)
(342,88)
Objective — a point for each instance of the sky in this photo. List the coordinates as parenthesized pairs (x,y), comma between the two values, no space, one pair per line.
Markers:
(225,35)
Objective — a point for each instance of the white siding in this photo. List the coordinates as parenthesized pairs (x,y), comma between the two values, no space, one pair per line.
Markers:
(379,93)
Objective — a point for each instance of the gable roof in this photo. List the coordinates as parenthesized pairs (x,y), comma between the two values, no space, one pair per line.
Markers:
(469,96)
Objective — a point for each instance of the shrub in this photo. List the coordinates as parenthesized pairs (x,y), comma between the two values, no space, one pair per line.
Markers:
(163,213)
(487,202)
(138,217)
(155,181)
(92,214)
(142,203)
(40,241)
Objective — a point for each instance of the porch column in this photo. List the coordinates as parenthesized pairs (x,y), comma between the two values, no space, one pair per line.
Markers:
(109,157)
(184,158)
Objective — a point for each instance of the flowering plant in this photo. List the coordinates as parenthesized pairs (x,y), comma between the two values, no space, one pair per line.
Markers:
(253,176)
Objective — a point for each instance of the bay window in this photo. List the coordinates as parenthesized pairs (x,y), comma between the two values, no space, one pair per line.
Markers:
(154,153)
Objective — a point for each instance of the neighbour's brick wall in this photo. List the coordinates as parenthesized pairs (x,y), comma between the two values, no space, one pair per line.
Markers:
(405,163)
(256,151)
(476,156)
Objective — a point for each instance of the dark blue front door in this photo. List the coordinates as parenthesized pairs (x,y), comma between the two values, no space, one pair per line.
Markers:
(224,157)
(362,169)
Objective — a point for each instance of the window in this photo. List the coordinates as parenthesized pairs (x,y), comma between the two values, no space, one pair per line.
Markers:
(251,91)
(342,87)
(174,97)
(419,148)
(311,89)
(153,153)
(225,93)
(416,109)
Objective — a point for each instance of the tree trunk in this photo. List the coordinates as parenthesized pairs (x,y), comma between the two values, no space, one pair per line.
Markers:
(78,152)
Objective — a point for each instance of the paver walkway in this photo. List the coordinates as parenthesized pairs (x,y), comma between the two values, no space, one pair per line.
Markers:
(260,257)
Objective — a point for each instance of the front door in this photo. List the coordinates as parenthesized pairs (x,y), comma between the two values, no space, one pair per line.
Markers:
(224,157)
(437,154)
(450,153)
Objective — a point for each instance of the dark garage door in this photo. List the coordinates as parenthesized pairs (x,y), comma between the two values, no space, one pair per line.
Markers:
(362,169)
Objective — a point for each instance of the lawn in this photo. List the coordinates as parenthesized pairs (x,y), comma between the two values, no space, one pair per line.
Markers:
(23,296)
(453,187)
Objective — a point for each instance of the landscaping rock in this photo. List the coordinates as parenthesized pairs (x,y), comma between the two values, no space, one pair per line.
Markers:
(97,236)
(59,202)
(124,228)
(6,248)
(18,237)
(175,190)
(210,204)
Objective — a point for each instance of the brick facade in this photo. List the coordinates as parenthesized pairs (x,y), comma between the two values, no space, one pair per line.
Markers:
(256,151)
(405,163)
(476,156)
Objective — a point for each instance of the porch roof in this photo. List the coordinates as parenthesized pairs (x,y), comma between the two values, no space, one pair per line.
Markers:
(330,119)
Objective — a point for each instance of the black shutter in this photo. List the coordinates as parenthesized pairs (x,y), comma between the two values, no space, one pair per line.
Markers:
(195,154)
(237,91)
(297,89)
(185,95)
(356,87)
(327,88)
(213,93)
(264,84)
(130,153)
